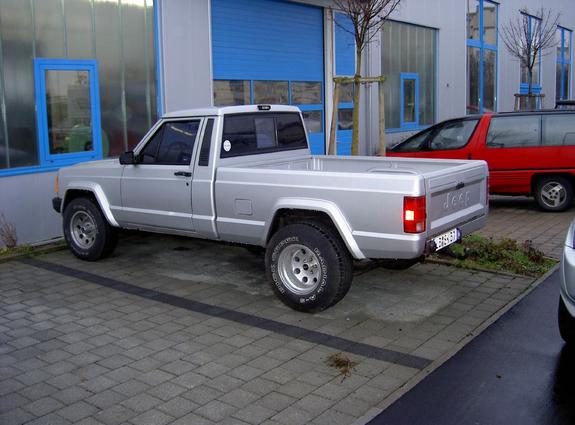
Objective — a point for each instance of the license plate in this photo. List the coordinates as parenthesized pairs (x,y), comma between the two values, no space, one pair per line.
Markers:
(446,239)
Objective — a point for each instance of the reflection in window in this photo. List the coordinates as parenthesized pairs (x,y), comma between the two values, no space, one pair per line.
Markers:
(408,48)
(69,111)
(231,92)
(313,121)
(533,25)
(563,65)
(481,56)
(514,132)
(346,92)
(559,130)
(345,119)
(306,93)
(409,101)
(453,135)
(271,92)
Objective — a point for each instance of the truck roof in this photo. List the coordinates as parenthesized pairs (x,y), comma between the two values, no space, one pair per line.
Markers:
(214,110)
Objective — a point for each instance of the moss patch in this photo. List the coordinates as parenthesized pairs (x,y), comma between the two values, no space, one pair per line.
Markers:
(504,255)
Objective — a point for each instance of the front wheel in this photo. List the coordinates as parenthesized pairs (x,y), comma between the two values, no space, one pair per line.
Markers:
(88,234)
(308,266)
(554,193)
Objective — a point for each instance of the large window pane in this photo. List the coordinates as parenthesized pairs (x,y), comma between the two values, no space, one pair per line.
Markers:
(108,54)
(306,93)
(558,81)
(489,23)
(17,46)
(136,75)
(78,15)
(50,34)
(473,19)
(345,119)
(271,92)
(514,132)
(231,92)
(559,130)
(473,94)
(409,49)
(68,111)
(313,121)
(489,80)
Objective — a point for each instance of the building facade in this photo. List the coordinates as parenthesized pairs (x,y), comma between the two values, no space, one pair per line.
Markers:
(84,79)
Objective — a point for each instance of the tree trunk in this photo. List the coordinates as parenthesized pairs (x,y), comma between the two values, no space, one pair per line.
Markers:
(356,98)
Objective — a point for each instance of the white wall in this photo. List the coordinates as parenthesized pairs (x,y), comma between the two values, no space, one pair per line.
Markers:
(26,201)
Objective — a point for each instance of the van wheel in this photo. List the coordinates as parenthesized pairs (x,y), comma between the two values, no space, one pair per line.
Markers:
(554,193)
(88,234)
(566,323)
(308,266)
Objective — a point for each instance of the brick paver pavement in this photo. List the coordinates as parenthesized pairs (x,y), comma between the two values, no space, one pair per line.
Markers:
(180,331)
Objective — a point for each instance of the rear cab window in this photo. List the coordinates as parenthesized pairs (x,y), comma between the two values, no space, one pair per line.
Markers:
(558,129)
(255,133)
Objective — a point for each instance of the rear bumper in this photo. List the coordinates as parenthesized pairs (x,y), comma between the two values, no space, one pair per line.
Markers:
(57,204)
(406,246)
(567,277)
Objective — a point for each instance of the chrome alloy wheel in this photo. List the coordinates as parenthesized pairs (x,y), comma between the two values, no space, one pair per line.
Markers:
(553,194)
(83,229)
(299,269)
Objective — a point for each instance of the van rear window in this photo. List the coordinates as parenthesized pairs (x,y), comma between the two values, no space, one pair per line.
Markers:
(559,130)
(249,134)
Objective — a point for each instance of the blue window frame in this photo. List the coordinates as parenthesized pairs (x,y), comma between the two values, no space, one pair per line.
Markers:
(482,55)
(409,101)
(563,88)
(80,138)
(532,21)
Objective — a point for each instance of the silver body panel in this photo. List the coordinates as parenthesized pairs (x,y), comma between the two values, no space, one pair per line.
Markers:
(235,199)
(567,271)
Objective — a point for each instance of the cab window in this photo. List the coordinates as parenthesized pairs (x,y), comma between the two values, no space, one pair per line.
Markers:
(172,144)
(453,135)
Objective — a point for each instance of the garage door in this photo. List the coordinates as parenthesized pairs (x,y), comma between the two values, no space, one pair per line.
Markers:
(270,51)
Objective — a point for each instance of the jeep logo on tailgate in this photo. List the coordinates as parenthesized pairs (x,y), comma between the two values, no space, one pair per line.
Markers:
(457,200)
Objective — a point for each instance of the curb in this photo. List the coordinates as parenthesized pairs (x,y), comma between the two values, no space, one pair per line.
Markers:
(52,246)
(421,375)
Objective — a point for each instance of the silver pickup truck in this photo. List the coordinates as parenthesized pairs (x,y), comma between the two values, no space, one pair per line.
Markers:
(244,174)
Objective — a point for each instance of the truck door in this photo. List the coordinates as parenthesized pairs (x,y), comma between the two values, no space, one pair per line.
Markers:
(156,192)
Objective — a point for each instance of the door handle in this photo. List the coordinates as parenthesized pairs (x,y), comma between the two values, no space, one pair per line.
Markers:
(183,174)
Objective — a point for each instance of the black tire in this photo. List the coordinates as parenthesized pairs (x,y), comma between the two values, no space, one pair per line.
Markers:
(97,239)
(331,266)
(399,263)
(554,193)
(566,324)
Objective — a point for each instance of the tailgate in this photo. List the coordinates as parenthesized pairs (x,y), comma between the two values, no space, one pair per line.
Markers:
(456,196)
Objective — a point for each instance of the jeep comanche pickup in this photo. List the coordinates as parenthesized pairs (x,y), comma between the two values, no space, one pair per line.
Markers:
(244,174)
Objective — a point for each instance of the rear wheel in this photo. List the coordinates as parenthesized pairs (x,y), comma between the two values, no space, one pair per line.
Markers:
(554,193)
(88,234)
(566,323)
(308,266)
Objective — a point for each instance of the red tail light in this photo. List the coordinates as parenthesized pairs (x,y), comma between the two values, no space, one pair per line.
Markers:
(414,214)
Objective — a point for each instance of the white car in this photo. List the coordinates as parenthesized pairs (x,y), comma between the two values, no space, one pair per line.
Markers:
(567,299)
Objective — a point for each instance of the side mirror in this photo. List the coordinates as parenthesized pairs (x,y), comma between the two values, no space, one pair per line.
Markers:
(128,158)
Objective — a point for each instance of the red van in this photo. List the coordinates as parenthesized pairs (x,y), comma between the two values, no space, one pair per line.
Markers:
(530,153)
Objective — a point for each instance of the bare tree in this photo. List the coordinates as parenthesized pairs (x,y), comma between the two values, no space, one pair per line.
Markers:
(529,39)
(7,232)
(367,18)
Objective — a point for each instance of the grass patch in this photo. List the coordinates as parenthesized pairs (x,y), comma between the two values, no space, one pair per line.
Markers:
(20,250)
(506,255)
